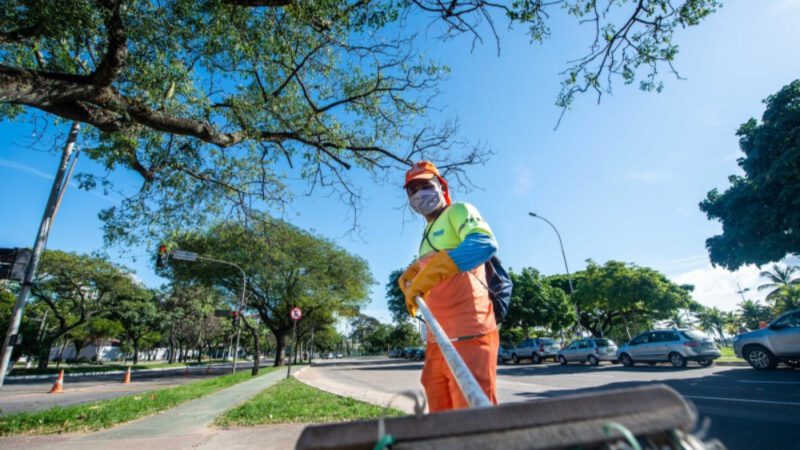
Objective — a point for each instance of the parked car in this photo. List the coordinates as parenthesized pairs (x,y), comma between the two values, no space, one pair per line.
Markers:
(503,353)
(536,349)
(419,355)
(591,350)
(395,353)
(677,346)
(779,341)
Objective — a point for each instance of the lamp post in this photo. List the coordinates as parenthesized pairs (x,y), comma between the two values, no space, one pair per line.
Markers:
(566,266)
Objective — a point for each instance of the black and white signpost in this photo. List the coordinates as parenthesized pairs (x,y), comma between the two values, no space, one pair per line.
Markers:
(296,315)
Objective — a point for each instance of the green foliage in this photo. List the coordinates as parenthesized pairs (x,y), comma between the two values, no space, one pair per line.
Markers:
(285,267)
(291,401)
(760,211)
(215,104)
(536,304)
(617,299)
(76,288)
(105,413)
(395,300)
(751,313)
(405,334)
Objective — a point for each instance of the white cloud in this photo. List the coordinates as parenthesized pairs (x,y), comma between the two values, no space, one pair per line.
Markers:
(650,176)
(715,286)
(23,168)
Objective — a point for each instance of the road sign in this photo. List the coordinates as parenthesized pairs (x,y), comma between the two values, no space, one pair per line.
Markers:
(184,255)
(296,314)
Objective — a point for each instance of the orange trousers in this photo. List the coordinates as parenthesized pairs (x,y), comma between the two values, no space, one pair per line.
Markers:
(480,356)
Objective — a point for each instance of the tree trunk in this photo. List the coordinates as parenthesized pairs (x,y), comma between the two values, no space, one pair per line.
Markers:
(44,354)
(280,345)
(135,352)
(256,351)
(61,354)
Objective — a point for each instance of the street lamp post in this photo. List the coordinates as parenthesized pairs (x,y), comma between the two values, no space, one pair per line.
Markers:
(566,266)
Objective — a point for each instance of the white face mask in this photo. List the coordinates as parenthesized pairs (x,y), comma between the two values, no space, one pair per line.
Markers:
(426,201)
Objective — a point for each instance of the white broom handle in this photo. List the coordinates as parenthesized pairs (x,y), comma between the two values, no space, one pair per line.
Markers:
(466,381)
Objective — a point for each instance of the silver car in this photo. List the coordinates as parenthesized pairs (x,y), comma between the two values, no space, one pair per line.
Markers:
(591,350)
(780,341)
(675,346)
(535,349)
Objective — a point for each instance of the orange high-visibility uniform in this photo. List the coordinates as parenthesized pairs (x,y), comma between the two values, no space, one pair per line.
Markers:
(463,308)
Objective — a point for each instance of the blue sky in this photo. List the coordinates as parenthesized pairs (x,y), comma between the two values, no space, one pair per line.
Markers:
(621,180)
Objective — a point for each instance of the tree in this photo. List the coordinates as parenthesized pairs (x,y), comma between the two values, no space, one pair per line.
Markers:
(138,313)
(373,335)
(536,304)
(778,279)
(404,334)
(395,299)
(751,313)
(760,211)
(787,299)
(712,320)
(616,298)
(285,267)
(203,99)
(75,288)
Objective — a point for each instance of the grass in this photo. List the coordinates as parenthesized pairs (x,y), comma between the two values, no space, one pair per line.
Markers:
(105,413)
(83,368)
(292,401)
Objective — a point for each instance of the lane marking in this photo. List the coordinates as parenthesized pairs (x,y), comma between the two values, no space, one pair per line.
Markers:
(769,382)
(742,400)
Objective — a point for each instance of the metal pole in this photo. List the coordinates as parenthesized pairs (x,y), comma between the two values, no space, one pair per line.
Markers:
(294,349)
(566,266)
(464,378)
(38,249)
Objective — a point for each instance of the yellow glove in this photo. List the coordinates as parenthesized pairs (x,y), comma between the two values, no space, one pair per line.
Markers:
(405,282)
(441,267)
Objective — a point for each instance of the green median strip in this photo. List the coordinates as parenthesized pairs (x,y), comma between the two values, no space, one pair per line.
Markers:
(292,401)
(105,413)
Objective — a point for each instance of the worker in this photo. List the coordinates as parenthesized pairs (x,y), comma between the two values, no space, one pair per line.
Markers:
(449,274)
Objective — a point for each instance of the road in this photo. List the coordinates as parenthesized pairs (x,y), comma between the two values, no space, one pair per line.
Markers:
(33,395)
(747,409)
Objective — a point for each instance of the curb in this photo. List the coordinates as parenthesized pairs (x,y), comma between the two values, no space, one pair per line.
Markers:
(731,363)
(49,376)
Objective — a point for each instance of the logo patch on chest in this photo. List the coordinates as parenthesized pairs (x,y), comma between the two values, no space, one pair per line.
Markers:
(438,232)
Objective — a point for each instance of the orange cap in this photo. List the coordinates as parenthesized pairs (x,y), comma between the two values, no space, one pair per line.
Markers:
(426,170)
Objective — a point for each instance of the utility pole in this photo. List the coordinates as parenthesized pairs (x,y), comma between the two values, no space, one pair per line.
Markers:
(60,183)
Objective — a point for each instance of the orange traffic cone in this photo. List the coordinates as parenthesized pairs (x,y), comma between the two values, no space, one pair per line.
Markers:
(127,379)
(58,386)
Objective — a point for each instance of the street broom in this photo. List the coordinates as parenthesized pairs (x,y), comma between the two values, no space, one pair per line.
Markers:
(647,417)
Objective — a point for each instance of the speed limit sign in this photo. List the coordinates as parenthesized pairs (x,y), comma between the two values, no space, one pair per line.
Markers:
(296,314)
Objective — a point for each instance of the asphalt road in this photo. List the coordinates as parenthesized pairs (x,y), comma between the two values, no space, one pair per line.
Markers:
(33,395)
(747,409)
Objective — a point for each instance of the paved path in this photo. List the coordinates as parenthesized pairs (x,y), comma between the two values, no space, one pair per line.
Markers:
(183,427)
(748,409)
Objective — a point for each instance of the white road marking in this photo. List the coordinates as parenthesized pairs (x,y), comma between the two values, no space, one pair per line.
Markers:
(741,400)
(769,382)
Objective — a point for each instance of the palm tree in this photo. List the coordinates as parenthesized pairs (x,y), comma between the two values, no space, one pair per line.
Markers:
(751,312)
(712,320)
(780,277)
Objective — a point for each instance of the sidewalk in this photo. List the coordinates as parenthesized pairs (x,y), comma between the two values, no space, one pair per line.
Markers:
(183,427)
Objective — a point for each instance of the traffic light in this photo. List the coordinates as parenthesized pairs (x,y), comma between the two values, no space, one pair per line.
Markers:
(163,257)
